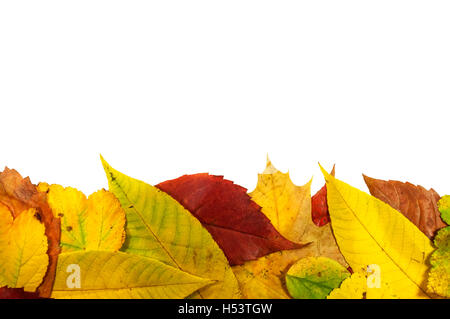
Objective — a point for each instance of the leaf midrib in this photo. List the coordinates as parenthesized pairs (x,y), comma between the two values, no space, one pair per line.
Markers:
(373,238)
(149,228)
(147,225)
(136,287)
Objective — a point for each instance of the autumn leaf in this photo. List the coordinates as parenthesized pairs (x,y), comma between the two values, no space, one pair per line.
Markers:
(280,199)
(158,227)
(23,250)
(369,231)
(356,287)
(20,195)
(290,206)
(415,202)
(119,275)
(319,206)
(314,277)
(439,275)
(93,223)
(228,213)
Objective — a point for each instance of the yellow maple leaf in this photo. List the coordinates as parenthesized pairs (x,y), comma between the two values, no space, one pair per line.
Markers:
(289,209)
(283,202)
(93,223)
(368,231)
(23,250)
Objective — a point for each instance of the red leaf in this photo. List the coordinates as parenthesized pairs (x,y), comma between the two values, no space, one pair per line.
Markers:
(319,207)
(17,293)
(225,209)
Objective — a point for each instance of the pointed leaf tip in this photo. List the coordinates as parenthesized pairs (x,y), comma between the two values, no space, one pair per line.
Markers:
(270,169)
(102,159)
(333,171)
(106,167)
(324,172)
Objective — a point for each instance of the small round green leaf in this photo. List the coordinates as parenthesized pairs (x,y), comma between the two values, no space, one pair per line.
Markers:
(314,277)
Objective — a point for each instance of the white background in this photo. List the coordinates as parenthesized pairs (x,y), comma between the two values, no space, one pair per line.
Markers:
(166,88)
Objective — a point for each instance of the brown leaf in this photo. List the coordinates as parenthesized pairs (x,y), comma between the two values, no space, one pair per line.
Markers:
(19,194)
(415,202)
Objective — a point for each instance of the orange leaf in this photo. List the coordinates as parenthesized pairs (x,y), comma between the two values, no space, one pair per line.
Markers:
(19,194)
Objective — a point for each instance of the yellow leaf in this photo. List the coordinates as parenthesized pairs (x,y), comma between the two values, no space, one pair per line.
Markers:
(6,221)
(23,250)
(160,228)
(105,222)
(94,223)
(283,202)
(369,231)
(289,209)
(118,275)
(356,287)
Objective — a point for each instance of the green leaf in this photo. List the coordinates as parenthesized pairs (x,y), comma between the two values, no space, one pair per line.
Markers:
(159,227)
(439,275)
(314,277)
(444,208)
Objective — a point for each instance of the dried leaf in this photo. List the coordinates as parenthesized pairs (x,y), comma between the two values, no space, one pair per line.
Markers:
(368,231)
(415,202)
(228,213)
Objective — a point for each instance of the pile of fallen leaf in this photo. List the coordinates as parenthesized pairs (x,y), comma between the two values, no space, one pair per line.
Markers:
(202,236)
